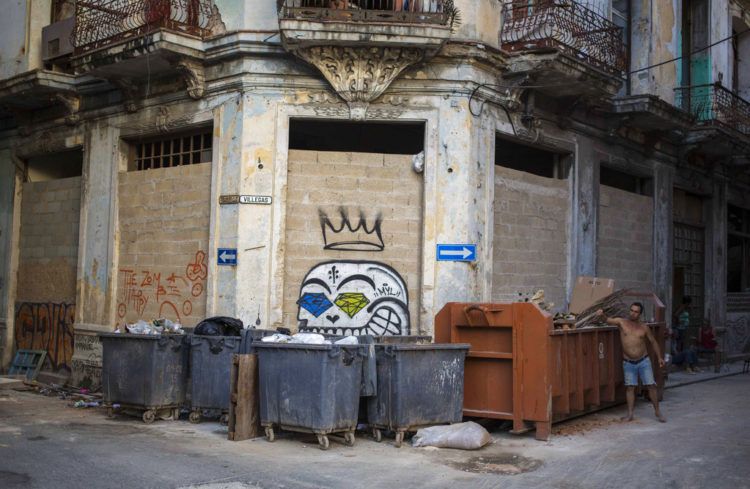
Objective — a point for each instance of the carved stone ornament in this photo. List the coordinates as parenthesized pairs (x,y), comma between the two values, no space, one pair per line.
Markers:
(72,104)
(129,91)
(192,73)
(360,74)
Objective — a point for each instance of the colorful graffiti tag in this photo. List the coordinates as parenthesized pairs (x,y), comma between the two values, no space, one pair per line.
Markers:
(171,294)
(47,326)
(353,298)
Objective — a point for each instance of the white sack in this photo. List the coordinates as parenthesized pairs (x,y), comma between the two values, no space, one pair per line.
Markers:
(465,436)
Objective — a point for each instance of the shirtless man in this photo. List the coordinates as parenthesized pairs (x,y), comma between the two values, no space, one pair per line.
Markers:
(636,363)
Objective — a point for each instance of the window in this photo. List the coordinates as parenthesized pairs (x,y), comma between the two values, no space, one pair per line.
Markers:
(532,160)
(175,150)
(738,249)
(624,181)
(360,137)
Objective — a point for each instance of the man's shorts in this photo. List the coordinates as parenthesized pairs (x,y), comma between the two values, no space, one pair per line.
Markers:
(638,369)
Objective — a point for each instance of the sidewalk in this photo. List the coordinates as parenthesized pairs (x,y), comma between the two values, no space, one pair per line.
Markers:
(681,377)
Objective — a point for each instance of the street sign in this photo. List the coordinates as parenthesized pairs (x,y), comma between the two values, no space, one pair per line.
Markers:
(227,256)
(245,199)
(457,252)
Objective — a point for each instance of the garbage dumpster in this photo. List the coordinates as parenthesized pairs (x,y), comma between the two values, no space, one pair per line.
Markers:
(310,388)
(417,385)
(250,336)
(210,362)
(521,369)
(144,373)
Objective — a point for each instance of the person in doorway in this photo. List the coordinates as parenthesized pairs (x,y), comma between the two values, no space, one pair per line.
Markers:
(682,322)
(636,363)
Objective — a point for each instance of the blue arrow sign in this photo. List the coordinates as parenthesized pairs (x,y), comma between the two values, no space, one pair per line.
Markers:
(227,256)
(457,252)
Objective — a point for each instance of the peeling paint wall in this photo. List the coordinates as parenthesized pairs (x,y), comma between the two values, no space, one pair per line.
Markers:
(21,36)
(656,37)
(7,250)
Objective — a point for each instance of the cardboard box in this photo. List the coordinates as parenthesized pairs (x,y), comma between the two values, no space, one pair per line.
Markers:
(588,290)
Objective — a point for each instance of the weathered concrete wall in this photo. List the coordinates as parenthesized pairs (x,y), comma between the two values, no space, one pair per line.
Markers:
(48,261)
(625,240)
(480,21)
(163,218)
(255,15)
(656,28)
(324,187)
(21,36)
(530,249)
(10,193)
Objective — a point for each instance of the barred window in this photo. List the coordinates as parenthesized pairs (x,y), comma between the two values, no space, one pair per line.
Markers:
(174,150)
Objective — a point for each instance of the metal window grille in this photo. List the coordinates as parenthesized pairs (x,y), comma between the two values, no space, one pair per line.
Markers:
(176,150)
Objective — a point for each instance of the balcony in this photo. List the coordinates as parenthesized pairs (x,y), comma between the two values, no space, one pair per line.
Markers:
(124,40)
(361,46)
(722,118)
(564,41)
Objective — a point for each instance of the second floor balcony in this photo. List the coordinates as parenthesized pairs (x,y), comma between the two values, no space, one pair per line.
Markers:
(591,44)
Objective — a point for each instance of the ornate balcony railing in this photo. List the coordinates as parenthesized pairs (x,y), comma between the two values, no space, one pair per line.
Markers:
(100,23)
(564,25)
(397,11)
(714,104)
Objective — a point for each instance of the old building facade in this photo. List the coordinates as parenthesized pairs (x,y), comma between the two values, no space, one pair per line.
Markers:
(297,163)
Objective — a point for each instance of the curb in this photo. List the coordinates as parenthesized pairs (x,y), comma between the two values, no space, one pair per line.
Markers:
(697,381)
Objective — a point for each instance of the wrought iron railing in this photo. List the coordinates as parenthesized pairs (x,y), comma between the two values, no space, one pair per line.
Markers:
(399,11)
(103,22)
(714,104)
(564,25)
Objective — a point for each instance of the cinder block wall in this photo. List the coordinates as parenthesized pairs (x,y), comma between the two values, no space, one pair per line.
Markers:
(48,258)
(163,222)
(625,247)
(373,183)
(530,245)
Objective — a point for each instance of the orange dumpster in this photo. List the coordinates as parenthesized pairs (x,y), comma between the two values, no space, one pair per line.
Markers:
(520,368)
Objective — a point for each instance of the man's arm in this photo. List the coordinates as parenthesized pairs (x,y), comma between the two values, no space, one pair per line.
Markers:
(608,320)
(654,344)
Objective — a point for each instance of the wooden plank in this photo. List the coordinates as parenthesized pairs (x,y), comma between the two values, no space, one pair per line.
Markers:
(244,407)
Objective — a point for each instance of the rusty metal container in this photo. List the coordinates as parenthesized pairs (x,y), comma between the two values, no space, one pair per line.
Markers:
(521,369)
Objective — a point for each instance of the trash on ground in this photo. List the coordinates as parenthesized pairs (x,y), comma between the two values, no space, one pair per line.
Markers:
(276,338)
(309,339)
(464,436)
(219,326)
(84,404)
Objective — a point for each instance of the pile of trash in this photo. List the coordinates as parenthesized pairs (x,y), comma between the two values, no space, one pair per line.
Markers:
(157,326)
(309,339)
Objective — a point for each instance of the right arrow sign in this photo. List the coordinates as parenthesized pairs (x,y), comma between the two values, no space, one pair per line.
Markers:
(456,252)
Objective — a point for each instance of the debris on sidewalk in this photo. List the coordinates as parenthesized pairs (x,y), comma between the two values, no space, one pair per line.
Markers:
(464,436)
(157,326)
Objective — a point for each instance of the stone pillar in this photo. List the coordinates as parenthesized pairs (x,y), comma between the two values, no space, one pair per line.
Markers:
(663,235)
(9,208)
(585,212)
(716,256)
(97,252)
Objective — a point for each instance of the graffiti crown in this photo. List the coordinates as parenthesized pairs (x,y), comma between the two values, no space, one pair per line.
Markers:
(348,237)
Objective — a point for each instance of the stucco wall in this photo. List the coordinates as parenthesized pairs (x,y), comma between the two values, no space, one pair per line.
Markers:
(530,236)
(625,245)
(163,223)
(322,185)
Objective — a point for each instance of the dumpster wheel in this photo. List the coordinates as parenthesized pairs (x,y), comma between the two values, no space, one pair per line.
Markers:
(110,412)
(149,416)
(269,434)
(377,434)
(323,442)
(194,417)
(399,439)
(349,438)
(224,419)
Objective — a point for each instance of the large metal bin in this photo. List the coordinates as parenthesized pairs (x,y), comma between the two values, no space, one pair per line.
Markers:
(146,373)
(417,385)
(310,388)
(210,363)
(521,369)
(251,336)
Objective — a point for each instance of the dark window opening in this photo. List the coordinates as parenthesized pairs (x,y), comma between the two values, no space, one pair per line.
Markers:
(521,157)
(738,249)
(172,150)
(357,137)
(64,164)
(623,181)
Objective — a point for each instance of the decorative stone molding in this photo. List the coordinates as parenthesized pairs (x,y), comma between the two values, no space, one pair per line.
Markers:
(360,75)
(129,91)
(192,73)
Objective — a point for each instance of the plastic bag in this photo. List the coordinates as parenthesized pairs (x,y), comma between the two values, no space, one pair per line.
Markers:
(142,327)
(347,340)
(219,326)
(464,436)
(276,338)
(309,339)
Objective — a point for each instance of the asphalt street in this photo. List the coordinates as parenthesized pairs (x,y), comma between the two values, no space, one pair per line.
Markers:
(45,443)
